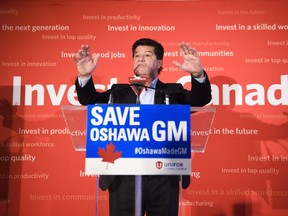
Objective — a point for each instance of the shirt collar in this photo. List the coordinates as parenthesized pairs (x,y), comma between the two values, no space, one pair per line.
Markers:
(153,84)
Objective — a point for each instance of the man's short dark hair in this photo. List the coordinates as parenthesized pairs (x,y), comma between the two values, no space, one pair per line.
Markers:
(158,48)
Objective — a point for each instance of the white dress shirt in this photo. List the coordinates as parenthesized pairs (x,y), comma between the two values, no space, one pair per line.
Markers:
(147,95)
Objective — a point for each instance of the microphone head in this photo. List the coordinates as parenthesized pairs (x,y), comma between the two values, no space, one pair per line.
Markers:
(137,84)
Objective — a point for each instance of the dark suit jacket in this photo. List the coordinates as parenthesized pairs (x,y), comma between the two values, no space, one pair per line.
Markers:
(199,95)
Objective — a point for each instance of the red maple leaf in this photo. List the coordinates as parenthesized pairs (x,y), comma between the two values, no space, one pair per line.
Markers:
(109,155)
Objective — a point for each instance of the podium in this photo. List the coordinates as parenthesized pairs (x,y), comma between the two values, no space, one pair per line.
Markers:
(201,127)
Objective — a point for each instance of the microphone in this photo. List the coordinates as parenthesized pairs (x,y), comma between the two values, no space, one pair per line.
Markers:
(137,84)
(111,98)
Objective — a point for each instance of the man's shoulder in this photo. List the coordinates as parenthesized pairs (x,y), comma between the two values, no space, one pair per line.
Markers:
(119,85)
(170,87)
(175,85)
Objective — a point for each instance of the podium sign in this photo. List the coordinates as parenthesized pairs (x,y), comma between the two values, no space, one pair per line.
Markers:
(138,140)
(162,123)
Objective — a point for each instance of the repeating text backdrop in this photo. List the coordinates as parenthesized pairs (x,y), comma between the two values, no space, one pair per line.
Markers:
(243,47)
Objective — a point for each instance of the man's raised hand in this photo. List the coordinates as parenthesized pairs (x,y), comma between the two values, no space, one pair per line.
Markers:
(86,63)
(191,62)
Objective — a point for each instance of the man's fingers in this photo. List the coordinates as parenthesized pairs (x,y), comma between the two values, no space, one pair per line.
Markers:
(75,59)
(84,51)
(96,56)
(81,61)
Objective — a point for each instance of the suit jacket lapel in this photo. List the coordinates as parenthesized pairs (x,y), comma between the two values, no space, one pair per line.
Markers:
(159,96)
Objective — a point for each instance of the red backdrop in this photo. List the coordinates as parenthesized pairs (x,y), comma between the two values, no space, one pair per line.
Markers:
(243,47)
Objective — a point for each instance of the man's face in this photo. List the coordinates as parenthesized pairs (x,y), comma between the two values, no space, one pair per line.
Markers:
(146,63)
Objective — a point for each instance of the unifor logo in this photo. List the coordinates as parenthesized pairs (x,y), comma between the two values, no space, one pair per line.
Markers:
(159,164)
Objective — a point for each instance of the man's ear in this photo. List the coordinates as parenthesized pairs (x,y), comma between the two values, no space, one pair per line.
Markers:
(160,63)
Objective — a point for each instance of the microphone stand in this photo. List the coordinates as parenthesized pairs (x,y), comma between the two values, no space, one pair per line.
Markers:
(138,178)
